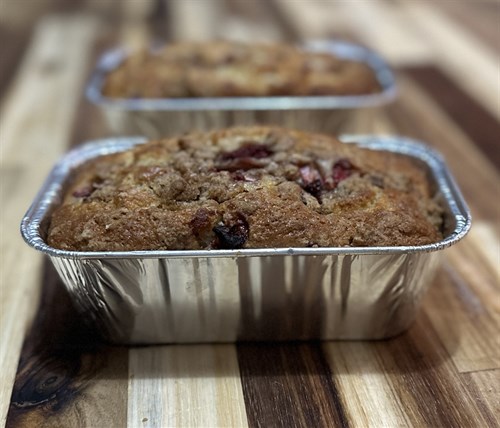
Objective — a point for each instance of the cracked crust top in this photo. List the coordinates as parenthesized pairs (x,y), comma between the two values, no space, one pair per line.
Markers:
(255,187)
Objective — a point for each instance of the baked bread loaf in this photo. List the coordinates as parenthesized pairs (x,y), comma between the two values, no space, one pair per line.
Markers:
(252,187)
(226,69)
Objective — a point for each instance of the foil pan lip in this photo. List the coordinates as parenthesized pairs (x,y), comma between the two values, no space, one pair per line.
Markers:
(50,195)
(345,50)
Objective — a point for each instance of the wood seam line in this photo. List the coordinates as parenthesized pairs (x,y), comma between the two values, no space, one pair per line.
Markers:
(50,71)
(493,370)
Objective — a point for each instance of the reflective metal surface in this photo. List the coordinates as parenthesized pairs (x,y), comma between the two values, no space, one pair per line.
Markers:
(259,294)
(161,117)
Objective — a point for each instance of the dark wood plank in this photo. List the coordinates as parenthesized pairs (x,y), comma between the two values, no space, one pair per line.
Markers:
(12,47)
(159,21)
(62,359)
(287,27)
(479,124)
(289,385)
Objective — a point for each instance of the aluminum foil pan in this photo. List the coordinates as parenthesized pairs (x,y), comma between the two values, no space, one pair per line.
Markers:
(146,297)
(162,117)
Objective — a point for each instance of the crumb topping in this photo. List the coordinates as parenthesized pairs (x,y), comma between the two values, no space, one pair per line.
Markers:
(255,187)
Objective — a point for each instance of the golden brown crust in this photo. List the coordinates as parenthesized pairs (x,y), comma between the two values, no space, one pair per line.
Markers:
(219,69)
(250,187)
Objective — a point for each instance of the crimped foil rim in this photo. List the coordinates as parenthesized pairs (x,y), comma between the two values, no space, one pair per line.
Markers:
(50,192)
(113,57)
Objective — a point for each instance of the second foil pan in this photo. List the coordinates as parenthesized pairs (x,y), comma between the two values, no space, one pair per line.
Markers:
(328,114)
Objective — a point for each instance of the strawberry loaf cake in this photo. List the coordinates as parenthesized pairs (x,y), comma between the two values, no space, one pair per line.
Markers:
(230,69)
(253,187)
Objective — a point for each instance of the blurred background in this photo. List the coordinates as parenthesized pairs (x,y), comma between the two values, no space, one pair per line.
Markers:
(446,46)
(461,37)
(450,48)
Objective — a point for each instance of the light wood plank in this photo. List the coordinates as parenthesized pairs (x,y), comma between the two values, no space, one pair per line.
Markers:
(464,304)
(197,20)
(360,377)
(466,326)
(471,63)
(243,30)
(310,19)
(384,28)
(478,260)
(251,22)
(195,386)
(88,397)
(35,125)
(135,33)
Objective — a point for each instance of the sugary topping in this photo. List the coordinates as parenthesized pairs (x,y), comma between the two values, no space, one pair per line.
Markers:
(246,188)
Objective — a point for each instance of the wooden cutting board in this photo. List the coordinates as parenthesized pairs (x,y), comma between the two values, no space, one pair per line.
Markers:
(444,371)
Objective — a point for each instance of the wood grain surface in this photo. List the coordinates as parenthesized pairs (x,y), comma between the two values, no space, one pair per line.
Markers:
(444,371)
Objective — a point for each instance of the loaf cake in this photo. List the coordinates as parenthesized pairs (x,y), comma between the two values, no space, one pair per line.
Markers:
(228,69)
(254,187)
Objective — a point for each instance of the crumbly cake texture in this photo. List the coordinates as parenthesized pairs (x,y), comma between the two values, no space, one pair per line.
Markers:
(225,69)
(255,187)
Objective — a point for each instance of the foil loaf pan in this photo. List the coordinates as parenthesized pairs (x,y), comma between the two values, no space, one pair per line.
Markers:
(148,297)
(328,114)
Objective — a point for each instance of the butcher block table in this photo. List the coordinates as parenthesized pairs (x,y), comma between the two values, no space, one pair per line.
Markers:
(444,371)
